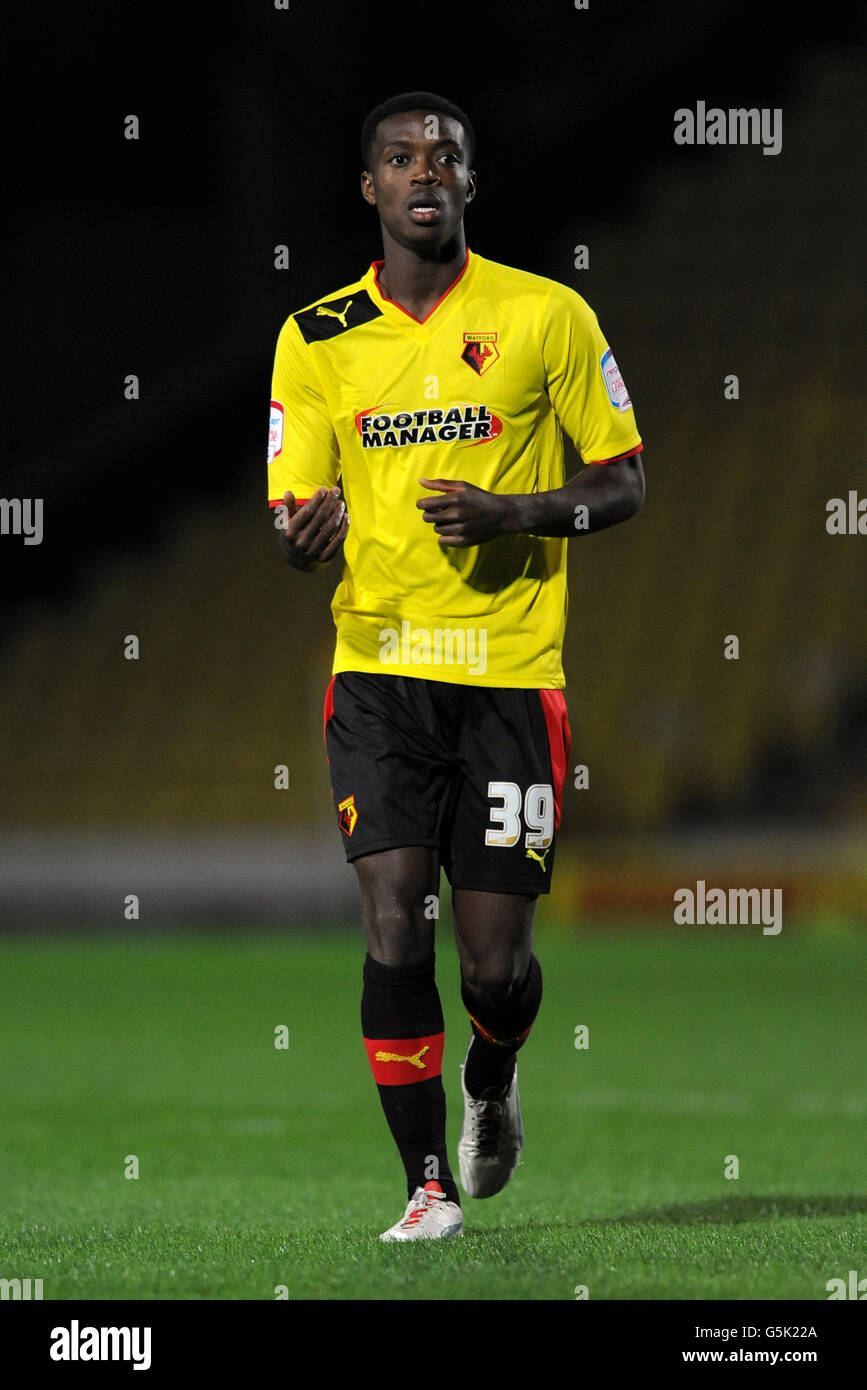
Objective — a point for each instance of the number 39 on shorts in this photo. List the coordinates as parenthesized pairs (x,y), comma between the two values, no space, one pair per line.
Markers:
(538,805)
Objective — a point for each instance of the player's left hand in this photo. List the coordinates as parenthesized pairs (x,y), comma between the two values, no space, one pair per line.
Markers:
(465,514)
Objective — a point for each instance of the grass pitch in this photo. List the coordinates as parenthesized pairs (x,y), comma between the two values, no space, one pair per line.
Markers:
(262,1167)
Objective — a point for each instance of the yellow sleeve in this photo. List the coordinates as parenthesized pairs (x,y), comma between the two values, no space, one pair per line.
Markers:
(583,380)
(302,448)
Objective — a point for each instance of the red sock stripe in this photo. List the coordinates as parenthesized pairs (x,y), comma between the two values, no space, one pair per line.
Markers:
(498,1042)
(401,1061)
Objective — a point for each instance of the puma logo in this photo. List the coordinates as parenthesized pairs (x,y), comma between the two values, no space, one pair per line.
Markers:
(414,1060)
(323,309)
(539,858)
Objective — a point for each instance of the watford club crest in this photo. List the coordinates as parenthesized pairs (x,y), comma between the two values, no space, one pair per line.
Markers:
(480,351)
(347,815)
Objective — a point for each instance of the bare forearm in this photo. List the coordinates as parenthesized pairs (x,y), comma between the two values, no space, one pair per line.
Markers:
(600,495)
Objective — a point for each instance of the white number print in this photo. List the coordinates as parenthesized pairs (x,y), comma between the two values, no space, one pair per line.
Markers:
(508,815)
(538,815)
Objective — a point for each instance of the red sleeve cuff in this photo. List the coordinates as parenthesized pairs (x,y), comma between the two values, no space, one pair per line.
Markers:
(617,457)
(278,501)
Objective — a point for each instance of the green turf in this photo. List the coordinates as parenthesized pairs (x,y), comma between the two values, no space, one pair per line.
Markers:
(262,1167)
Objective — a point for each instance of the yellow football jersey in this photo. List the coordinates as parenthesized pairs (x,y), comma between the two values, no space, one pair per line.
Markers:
(480,390)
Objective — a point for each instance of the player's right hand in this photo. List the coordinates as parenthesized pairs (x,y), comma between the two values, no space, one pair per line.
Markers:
(313,532)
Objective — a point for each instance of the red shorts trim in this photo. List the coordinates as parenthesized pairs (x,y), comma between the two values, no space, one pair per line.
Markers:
(559,744)
(328,707)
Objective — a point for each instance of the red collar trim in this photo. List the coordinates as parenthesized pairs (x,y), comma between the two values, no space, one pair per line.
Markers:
(377,267)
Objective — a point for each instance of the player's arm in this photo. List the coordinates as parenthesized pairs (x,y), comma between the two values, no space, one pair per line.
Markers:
(303,459)
(312,532)
(589,397)
(600,495)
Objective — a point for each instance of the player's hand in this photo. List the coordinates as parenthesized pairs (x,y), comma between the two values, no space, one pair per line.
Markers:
(465,514)
(313,533)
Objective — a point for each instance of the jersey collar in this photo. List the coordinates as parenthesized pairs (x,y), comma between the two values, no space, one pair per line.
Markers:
(449,296)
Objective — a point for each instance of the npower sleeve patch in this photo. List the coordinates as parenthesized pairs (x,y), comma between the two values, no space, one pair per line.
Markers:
(275,431)
(614,383)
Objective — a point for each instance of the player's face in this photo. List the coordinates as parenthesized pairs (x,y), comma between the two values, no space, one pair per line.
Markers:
(419,181)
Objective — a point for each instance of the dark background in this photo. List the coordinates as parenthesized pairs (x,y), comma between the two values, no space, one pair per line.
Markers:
(157,257)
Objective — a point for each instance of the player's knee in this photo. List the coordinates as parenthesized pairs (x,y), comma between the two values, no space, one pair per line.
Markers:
(402,950)
(493,981)
(395,935)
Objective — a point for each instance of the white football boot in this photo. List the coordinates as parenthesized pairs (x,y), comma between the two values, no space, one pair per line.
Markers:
(428,1216)
(491,1139)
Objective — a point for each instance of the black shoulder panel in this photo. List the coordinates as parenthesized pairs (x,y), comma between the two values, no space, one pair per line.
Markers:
(335,316)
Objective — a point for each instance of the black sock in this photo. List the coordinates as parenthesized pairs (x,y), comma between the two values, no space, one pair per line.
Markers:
(402,1023)
(499,1032)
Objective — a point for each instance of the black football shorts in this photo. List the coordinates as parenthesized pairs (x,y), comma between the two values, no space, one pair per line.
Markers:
(473,771)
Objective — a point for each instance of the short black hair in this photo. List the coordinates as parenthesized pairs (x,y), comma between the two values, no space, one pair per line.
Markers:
(413,101)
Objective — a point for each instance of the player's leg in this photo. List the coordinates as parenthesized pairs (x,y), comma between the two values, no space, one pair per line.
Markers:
(401,1014)
(387,784)
(501,986)
(514,757)
(501,981)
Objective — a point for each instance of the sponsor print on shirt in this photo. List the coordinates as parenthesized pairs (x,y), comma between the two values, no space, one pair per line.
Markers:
(614,383)
(472,424)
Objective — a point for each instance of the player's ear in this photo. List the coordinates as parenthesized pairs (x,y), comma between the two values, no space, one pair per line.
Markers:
(367,190)
(471,185)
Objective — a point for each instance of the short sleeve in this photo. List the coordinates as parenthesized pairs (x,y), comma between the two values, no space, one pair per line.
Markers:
(302,448)
(584,383)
